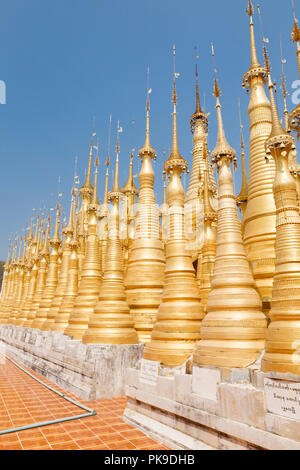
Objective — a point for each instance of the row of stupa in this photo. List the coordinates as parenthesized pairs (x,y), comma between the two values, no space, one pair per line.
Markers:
(225,295)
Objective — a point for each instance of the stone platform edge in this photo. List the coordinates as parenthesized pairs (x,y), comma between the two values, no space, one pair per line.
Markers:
(89,371)
(231,417)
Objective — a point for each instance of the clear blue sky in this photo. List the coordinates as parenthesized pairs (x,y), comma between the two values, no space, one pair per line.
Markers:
(65,61)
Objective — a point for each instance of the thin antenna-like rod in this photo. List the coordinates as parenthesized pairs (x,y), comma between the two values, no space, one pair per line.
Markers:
(174,61)
(108,144)
(132,134)
(240,115)
(148,79)
(213,60)
(264,40)
(294,14)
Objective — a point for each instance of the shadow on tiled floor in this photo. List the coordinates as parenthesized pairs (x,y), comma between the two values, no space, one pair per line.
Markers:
(24,401)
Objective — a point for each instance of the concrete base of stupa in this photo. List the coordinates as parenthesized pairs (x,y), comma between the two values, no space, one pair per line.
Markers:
(215,408)
(90,371)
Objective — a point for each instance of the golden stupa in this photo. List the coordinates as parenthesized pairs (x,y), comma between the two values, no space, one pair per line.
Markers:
(233,331)
(111,321)
(67,303)
(145,273)
(52,277)
(180,313)
(63,273)
(90,280)
(193,197)
(189,278)
(259,218)
(283,335)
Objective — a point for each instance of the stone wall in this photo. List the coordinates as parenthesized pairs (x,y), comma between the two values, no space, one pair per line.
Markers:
(90,371)
(209,409)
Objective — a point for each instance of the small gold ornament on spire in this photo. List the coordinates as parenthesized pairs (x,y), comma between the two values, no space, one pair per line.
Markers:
(255,70)
(199,114)
(284,90)
(294,117)
(222,147)
(175,158)
(243,196)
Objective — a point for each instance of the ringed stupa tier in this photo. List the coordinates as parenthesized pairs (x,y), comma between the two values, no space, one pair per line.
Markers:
(283,335)
(67,303)
(63,272)
(90,280)
(233,330)
(180,313)
(193,199)
(111,321)
(41,279)
(206,260)
(260,217)
(19,284)
(145,273)
(52,276)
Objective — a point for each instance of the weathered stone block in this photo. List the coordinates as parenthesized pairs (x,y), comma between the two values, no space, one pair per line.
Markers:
(183,387)
(285,427)
(165,387)
(205,382)
(111,364)
(242,403)
(132,377)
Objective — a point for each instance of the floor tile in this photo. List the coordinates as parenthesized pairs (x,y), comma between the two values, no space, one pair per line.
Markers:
(23,401)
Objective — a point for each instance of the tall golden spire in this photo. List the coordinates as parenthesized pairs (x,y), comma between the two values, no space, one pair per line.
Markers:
(34,244)
(116,187)
(7,307)
(164,213)
(5,285)
(193,197)
(63,273)
(222,147)
(147,148)
(71,290)
(242,198)
(180,313)
(175,157)
(277,129)
(52,277)
(104,208)
(284,92)
(130,187)
(130,191)
(22,314)
(103,227)
(34,261)
(199,114)
(259,219)
(294,117)
(95,192)
(41,279)
(30,234)
(19,284)
(296,36)
(86,192)
(232,332)
(206,260)
(145,271)
(255,70)
(283,334)
(87,188)
(90,279)
(111,321)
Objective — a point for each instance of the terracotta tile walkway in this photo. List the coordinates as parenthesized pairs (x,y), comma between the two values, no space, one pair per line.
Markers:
(24,401)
